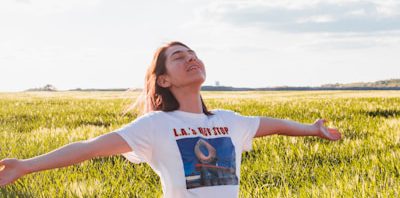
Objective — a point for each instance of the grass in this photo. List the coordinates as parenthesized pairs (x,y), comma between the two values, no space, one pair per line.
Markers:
(365,163)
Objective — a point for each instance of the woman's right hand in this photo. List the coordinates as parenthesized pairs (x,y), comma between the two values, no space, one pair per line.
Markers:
(10,170)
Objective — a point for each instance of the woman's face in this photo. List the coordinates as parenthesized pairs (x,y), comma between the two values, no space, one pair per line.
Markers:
(183,67)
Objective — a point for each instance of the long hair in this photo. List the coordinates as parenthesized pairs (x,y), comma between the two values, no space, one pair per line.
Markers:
(155,97)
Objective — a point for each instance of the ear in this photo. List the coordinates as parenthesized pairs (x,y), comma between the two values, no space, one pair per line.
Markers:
(163,81)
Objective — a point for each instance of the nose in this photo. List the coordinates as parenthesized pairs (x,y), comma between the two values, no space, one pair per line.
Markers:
(191,57)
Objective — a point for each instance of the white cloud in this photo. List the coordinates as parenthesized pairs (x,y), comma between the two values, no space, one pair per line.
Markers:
(308,16)
(316,19)
(357,12)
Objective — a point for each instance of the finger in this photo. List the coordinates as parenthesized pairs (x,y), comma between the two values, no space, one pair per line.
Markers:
(326,133)
(2,164)
(337,137)
(320,122)
(334,131)
(2,175)
(331,133)
(335,134)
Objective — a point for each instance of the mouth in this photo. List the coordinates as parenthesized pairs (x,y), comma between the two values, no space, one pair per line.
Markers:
(192,67)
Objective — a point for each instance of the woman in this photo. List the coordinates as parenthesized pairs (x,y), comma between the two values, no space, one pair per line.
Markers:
(196,152)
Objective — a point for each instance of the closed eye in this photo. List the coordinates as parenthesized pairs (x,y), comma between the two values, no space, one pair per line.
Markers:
(178,58)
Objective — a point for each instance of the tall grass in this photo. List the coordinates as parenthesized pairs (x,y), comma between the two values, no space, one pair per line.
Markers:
(365,163)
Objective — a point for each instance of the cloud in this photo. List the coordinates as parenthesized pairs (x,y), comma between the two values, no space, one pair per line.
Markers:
(309,16)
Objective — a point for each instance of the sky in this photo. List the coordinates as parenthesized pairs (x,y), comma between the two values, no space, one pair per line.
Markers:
(243,43)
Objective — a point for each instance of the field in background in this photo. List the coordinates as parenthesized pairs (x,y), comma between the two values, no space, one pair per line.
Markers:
(365,163)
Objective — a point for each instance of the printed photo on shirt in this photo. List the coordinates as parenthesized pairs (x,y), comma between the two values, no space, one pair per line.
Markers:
(208,162)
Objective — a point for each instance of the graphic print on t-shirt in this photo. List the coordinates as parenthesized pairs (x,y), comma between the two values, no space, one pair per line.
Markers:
(208,162)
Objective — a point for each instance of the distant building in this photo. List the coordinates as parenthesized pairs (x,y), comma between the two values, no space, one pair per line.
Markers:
(217,83)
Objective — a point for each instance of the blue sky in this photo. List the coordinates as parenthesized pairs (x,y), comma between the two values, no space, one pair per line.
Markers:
(258,43)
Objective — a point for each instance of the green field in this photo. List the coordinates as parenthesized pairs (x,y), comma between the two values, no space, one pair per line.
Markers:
(365,163)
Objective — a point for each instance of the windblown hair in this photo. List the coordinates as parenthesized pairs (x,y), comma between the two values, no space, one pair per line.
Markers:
(155,97)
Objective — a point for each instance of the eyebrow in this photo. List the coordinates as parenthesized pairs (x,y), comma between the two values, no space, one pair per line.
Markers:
(180,51)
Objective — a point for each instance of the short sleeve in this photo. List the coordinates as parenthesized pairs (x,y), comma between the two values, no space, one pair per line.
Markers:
(245,127)
(139,135)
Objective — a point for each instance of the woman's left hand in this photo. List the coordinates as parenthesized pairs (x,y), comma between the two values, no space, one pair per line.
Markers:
(326,133)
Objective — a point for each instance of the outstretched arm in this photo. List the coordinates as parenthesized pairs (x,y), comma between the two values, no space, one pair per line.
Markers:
(105,145)
(271,126)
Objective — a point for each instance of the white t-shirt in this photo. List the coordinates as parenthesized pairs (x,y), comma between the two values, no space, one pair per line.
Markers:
(195,155)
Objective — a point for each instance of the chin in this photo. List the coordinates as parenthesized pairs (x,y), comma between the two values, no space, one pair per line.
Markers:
(198,81)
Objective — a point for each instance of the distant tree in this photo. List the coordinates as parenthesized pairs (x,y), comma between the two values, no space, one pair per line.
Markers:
(47,87)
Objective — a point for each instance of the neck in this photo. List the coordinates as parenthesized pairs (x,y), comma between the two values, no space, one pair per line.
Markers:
(189,99)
